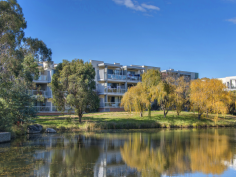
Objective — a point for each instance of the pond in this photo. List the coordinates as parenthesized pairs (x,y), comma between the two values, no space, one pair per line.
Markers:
(156,152)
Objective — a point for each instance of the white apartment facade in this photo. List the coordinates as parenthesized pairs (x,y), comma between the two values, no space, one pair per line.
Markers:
(42,88)
(112,81)
(230,82)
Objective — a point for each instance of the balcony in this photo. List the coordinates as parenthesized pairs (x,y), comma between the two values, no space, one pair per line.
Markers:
(43,108)
(232,87)
(116,77)
(38,92)
(112,105)
(134,78)
(42,78)
(118,90)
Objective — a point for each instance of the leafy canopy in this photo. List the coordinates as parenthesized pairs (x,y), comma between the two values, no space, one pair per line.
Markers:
(73,85)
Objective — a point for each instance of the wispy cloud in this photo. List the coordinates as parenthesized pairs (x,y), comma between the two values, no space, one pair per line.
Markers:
(233,20)
(150,7)
(132,4)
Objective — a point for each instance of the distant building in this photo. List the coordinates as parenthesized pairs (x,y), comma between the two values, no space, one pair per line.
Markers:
(230,82)
(187,75)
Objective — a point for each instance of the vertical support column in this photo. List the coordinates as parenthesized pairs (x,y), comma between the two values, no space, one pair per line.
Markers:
(51,107)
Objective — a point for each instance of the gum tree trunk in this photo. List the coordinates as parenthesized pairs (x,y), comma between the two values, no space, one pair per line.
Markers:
(141,114)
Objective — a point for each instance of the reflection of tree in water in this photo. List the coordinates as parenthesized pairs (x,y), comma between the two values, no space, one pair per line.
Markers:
(208,152)
(197,153)
(18,160)
(77,160)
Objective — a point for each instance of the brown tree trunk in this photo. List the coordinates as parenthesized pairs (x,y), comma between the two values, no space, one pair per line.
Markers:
(141,114)
(149,110)
(178,113)
(199,116)
(80,117)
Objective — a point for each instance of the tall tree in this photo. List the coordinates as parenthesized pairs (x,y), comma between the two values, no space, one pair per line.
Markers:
(149,79)
(73,85)
(19,57)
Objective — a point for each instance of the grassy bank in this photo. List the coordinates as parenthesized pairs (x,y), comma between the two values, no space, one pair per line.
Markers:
(124,120)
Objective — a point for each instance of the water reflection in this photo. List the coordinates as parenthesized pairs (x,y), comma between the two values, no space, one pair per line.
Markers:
(145,153)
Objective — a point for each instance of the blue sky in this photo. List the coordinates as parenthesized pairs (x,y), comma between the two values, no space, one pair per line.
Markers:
(188,35)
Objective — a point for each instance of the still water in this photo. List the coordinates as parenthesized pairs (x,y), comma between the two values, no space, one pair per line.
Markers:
(159,152)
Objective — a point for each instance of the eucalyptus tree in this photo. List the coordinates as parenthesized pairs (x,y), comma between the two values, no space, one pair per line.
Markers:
(19,57)
(73,85)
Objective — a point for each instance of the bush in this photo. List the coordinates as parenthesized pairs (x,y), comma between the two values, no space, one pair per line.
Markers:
(68,119)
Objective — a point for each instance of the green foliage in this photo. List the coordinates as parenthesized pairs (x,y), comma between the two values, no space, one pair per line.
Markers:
(73,85)
(16,105)
(18,65)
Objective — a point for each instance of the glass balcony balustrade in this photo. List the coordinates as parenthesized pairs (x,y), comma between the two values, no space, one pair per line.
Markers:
(38,92)
(42,108)
(134,78)
(116,77)
(118,90)
(42,78)
(112,105)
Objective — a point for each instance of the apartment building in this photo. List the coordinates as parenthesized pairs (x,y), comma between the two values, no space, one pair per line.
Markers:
(230,82)
(42,87)
(186,74)
(113,80)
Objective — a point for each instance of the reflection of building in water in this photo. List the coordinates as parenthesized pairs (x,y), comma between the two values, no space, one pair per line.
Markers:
(110,162)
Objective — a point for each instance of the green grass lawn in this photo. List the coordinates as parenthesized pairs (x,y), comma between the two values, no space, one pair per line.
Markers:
(124,120)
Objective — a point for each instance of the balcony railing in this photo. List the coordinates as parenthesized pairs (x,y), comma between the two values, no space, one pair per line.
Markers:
(116,77)
(231,87)
(112,104)
(38,92)
(54,108)
(134,78)
(43,108)
(42,78)
(115,90)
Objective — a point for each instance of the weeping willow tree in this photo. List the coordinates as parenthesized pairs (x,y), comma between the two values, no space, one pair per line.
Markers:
(164,93)
(135,99)
(150,79)
(209,95)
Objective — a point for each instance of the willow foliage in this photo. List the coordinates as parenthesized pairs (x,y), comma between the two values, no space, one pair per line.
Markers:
(209,96)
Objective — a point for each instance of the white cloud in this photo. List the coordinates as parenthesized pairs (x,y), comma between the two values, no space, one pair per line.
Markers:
(132,4)
(233,20)
(150,7)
